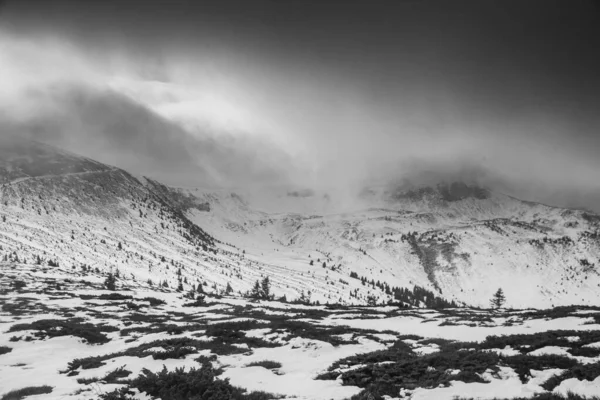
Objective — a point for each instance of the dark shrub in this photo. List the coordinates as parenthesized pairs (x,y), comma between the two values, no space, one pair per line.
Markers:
(118,394)
(582,372)
(523,364)
(114,297)
(28,391)
(154,301)
(268,364)
(73,327)
(195,384)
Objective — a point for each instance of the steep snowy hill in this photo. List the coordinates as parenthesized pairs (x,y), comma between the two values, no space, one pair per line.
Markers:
(56,207)
(458,241)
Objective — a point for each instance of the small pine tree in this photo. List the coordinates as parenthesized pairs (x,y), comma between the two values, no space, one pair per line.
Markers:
(228,289)
(304,297)
(265,287)
(371,300)
(256,291)
(200,299)
(498,299)
(110,282)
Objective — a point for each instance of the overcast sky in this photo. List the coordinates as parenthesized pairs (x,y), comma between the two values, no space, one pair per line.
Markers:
(325,93)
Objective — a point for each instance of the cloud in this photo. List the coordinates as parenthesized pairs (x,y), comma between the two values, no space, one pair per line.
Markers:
(225,97)
(109,127)
(56,94)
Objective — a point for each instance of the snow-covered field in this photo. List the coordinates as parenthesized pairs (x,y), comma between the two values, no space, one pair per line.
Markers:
(55,323)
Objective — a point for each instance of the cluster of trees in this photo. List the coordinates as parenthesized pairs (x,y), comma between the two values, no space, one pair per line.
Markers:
(565,240)
(261,290)
(416,297)
(419,297)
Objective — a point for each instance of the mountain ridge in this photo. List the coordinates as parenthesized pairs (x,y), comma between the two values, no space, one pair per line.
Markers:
(461,243)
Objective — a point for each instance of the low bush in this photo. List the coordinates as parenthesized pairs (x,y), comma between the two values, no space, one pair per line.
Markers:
(92,334)
(173,353)
(374,372)
(195,384)
(118,394)
(268,364)
(585,351)
(397,352)
(173,348)
(28,391)
(114,297)
(582,372)
(523,364)
(539,396)
(154,301)
(229,333)
(5,349)
(111,377)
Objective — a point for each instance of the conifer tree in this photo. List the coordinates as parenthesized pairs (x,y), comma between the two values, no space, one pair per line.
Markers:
(255,293)
(498,299)
(265,287)
(110,282)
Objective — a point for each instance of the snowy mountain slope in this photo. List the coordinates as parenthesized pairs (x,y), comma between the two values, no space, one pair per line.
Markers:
(456,240)
(20,160)
(106,219)
(462,242)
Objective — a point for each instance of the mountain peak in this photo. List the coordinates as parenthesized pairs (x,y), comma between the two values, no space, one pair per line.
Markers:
(441,192)
(21,158)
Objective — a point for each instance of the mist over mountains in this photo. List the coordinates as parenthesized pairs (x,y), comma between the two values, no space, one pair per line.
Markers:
(186,147)
(192,103)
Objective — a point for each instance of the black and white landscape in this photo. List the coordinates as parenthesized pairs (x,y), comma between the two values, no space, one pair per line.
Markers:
(213,200)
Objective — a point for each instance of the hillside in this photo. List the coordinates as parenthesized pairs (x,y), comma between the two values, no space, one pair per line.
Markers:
(63,335)
(458,241)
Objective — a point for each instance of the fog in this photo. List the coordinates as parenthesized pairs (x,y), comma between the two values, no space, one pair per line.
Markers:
(314,97)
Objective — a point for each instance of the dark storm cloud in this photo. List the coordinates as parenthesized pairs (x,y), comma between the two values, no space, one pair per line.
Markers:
(369,88)
(111,128)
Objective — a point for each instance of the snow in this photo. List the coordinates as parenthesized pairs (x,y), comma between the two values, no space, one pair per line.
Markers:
(551,350)
(302,359)
(506,384)
(416,326)
(581,387)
